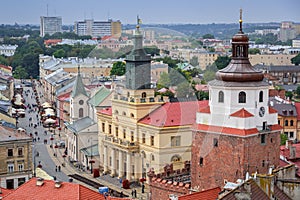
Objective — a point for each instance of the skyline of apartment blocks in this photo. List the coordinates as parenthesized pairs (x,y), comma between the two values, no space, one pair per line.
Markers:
(288,30)
(50,25)
(98,28)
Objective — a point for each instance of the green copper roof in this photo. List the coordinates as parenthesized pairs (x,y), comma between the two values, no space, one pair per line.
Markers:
(100,96)
(78,87)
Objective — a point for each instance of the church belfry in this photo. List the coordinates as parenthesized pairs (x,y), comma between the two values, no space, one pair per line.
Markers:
(138,64)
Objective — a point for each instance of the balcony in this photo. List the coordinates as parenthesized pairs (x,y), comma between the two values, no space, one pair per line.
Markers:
(124,144)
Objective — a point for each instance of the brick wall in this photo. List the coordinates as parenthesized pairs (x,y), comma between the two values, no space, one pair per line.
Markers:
(232,158)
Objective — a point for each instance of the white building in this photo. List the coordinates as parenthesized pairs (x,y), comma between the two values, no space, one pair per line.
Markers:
(8,50)
(50,25)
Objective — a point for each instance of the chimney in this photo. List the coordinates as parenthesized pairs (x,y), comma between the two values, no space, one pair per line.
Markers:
(57,184)
(39,181)
(288,144)
(292,152)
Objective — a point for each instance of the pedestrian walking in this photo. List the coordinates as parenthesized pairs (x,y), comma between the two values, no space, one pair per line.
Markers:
(134,192)
(55,168)
(59,168)
(143,188)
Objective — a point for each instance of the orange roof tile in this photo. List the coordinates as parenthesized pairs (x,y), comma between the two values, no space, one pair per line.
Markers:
(272,110)
(242,113)
(297,105)
(30,190)
(174,114)
(5,192)
(64,96)
(205,110)
(210,194)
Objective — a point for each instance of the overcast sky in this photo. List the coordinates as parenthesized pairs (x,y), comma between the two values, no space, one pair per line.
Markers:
(151,11)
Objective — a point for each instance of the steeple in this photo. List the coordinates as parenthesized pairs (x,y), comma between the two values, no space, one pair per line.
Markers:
(78,87)
(240,68)
(138,68)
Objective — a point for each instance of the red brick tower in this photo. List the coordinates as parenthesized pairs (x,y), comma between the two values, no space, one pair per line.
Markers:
(238,132)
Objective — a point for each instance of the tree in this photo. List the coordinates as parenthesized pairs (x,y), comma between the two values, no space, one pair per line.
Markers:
(209,75)
(184,90)
(298,91)
(289,94)
(60,53)
(283,139)
(164,81)
(254,51)
(118,68)
(20,73)
(194,61)
(296,59)
(222,61)
(208,36)
(201,95)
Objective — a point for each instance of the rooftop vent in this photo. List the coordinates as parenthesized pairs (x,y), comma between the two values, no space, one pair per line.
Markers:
(57,184)
(39,181)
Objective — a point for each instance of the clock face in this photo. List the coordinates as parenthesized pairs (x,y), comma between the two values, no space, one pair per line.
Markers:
(261,111)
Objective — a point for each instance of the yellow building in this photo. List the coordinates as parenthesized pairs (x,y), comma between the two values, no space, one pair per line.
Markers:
(116,29)
(271,59)
(15,158)
(140,131)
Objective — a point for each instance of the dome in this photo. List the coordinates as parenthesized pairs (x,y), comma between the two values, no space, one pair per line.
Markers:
(240,37)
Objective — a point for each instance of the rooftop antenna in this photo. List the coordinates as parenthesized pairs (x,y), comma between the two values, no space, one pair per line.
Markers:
(108,15)
(241,21)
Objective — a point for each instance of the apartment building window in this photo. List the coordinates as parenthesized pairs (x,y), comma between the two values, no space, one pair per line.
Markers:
(131,136)
(109,129)
(291,134)
(292,123)
(10,168)
(21,167)
(175,141)
(143,138)
(201,161)
(10,152)
(286,122)
(124,133)
(279,122)
(103,127)
(21,181)
(117,132)
(152,141)
(20,151)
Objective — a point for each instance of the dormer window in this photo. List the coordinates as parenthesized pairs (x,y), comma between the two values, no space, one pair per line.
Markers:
(221,97)
(242,97)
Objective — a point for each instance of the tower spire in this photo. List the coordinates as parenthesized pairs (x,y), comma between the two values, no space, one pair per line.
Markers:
(241,20)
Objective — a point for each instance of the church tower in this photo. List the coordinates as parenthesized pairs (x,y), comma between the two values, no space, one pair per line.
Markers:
(238,132)
(78,99)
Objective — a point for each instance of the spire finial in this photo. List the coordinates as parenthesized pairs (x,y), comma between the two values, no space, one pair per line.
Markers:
(241,20)
(78,69)
(138,22)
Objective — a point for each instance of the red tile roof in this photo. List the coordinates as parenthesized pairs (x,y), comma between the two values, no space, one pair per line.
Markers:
(205,110)
(242,113)
(210,194)
(30,190)
(64,96)
(5,192)
(283,163)
(174,114)
(272,110)
(106,111)
(297,105)
(226,130)
(286,151)
(6,67)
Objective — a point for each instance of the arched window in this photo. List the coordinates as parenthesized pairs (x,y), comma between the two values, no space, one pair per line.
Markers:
(176,158)
(144,95)
(132,115)
(221,97)
(286,122)
(124,113)
(291,123)
(242,97)
(80,112)
(261,96)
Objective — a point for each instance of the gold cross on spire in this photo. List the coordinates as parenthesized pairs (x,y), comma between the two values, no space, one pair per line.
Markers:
(241,20)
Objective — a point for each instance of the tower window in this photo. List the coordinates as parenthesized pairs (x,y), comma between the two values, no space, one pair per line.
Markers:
(261,96)
(144,95)
(216,142)
(263,163)
(242,97)
(81,102)
(263,138)
(221,97)
(201,161)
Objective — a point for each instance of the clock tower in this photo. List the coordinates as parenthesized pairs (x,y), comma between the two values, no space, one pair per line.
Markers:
(238,132)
